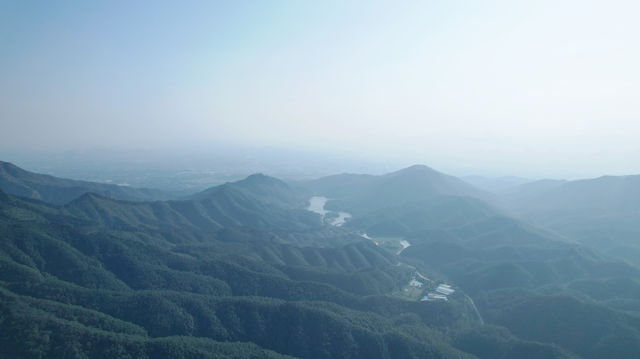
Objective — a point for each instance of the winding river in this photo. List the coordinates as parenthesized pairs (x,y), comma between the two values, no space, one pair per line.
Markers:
(317,203)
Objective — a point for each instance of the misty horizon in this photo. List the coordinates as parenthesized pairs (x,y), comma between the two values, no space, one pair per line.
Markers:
(542,90)
(291,164)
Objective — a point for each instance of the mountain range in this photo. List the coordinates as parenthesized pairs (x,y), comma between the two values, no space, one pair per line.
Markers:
(244,270)
(17,181)
(360,193)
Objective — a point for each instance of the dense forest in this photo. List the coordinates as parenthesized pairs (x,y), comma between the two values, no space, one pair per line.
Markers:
(245,270)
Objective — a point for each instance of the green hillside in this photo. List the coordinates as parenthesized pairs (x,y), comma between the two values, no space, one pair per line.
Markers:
(362,193)
(243,270)
(15,180)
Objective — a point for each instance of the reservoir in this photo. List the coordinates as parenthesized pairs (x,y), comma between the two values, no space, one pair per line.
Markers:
(316,204)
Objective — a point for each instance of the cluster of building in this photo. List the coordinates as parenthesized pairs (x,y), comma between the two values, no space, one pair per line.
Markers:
(441,293)
(415,283)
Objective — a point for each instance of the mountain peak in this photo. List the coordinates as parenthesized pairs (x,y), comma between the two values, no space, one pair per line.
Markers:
(416,169)
(10,169)
(256,183)
(258,177)
(6,164)
(420,168)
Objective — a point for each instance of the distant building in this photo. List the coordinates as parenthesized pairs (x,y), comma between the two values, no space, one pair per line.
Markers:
(433,297)
(445,289)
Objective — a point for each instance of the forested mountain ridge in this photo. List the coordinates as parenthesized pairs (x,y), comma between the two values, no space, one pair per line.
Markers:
(141,280)
(489,250)
(361,193)
(596,196)
(243,270)
(270,190)
(258,202)
(15,180)
(602,212)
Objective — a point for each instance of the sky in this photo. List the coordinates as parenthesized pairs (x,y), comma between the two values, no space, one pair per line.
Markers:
(532,88)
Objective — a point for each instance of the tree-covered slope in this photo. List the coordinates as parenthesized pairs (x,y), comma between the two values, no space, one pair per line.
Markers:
(258,202)
(362,193)
(487,253)
(603,212)
(74,287)
(242,270)
(15,180)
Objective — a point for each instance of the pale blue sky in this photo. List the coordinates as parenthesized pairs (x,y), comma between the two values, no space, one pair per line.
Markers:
(539,88)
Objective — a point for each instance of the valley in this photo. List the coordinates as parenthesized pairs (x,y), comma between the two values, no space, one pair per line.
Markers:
(247,265)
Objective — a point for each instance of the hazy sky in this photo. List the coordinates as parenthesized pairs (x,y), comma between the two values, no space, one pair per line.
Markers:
(538,88)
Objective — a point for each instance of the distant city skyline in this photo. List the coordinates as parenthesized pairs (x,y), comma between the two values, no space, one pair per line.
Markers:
(535,89)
